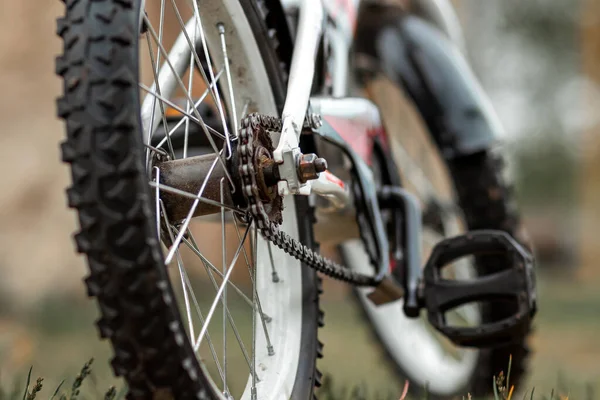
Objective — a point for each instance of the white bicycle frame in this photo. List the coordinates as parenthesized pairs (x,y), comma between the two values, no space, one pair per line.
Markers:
(339,35)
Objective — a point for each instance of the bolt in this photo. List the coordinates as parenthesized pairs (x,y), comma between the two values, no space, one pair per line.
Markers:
(315,120)
(320,165)
(309,166)
(312,121)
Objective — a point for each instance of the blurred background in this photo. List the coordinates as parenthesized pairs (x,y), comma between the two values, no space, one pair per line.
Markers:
(539,60)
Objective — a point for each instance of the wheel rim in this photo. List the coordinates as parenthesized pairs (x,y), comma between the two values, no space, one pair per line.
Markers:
(268,339)
(423,355)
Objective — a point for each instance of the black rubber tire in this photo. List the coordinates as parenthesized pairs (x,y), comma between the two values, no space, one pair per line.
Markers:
(488,203)
(110,191)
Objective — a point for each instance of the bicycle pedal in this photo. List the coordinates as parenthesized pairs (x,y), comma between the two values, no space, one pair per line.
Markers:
(515,284)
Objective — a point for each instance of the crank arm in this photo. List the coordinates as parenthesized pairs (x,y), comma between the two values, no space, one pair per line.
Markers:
(515,284)
(409,273)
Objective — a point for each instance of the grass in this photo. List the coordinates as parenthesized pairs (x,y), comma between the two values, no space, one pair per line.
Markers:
(502,390)
(74,392)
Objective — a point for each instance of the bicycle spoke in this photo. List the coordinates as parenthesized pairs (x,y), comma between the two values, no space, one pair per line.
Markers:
(221,288)
(253,368)
(245,109)
(274,275)
(157,199)
(221,28)
(190,82)
(186,298)
(224,296)
(270,349)
(156,150)
(160,29)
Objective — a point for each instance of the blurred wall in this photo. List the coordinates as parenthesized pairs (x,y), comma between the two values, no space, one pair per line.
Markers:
(36,253)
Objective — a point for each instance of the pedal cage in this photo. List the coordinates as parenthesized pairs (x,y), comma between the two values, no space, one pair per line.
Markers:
(515,284)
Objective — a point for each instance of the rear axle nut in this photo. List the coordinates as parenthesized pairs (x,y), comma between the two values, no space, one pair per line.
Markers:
(309,167)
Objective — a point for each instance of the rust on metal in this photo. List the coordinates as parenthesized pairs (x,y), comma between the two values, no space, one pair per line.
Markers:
(188,175)
(309,167)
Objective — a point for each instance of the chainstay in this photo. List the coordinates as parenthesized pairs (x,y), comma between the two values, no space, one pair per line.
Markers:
(253,126)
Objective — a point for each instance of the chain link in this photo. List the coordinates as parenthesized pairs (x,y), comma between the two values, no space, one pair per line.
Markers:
(252,127)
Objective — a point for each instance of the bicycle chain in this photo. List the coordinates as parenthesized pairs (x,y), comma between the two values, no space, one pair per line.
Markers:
(254,126)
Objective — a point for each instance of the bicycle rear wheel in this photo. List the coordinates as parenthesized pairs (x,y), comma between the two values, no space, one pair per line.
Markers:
(201,308)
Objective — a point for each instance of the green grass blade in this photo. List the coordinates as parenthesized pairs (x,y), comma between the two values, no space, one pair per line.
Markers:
(27,384)
(495,388)
(110,393)
(57,389)
(508,373)
(83,374)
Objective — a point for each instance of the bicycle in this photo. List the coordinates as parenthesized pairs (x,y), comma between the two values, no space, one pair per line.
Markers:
(205,154)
